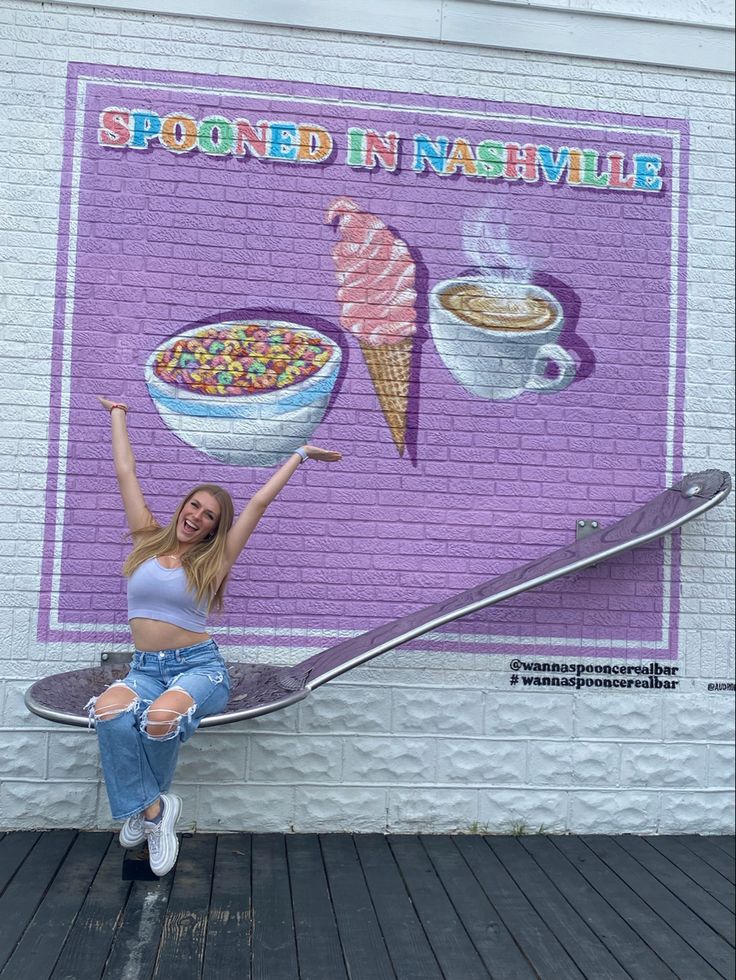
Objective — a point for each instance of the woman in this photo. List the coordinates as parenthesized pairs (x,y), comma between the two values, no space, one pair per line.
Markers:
(176,574)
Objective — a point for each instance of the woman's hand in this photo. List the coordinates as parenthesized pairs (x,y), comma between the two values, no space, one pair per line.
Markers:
(325,455)
(109,405)
(138,515)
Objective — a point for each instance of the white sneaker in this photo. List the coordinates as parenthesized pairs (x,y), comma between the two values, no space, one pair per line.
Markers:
(132,833)
(163,844)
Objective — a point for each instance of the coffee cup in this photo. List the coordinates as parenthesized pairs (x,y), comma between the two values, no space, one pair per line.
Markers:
(498,338)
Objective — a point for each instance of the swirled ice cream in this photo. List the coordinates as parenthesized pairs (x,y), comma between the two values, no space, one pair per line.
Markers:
(376,277)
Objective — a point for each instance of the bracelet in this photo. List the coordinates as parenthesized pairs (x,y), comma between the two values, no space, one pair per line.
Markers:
(302,453)
(118,405)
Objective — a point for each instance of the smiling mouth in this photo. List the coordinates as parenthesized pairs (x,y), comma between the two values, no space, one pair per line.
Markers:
(189,527)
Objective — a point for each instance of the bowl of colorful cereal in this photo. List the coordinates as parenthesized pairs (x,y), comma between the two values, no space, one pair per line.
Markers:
(246,392)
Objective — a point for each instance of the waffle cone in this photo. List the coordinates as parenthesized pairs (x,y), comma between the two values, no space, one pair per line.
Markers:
(389,366)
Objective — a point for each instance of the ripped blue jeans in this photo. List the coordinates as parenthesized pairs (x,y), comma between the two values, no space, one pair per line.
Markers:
(138,767)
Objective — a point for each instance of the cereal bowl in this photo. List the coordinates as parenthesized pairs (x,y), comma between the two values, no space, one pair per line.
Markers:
(245,392)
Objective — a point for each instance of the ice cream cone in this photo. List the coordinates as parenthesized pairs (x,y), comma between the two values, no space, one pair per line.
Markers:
(377,293)
(389,366)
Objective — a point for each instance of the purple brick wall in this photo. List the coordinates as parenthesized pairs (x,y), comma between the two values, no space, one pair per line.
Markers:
(154,243)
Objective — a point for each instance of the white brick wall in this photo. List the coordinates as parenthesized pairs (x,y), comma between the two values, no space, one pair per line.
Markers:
(413,742)
(709,12)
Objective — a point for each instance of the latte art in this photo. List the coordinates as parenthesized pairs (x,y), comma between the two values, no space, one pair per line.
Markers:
(471,303)
(498,338)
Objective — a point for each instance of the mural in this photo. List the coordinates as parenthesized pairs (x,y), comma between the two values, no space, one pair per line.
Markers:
(479,304)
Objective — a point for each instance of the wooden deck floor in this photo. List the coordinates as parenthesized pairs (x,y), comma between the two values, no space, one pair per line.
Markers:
(333,907)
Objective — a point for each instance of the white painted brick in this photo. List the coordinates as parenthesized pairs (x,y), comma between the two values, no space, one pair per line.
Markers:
(439,811)
(550,764)
(334,809)
(598,716)
(388,760)
(721,765)
(284,720)
(26,805)
(443,712)
(299,759)
(697,813)
(615,812)
(542,716)
(596,764)
(103,816)
(15,712)
(73,755)
(663,765)
(249,807)
(346,708)
(528,811)
(483,761)
(23,755)
(213,758)
(699,717)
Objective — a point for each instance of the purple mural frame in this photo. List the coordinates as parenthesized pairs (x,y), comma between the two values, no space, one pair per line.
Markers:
(663,559)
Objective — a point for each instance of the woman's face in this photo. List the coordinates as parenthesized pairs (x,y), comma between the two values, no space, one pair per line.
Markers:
(199,518)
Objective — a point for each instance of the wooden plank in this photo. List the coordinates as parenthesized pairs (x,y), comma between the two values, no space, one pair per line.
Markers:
(592,957)
(494,943)
(137,864)
(227,945)
(536,941)
(628,947)
(40,945)
(24,893)
(135,943)
(712,854)
(317,940)
(696,898)
(714,950)
(452,946)
(726,843)
(274,945)
(363,944)
(181,949)
(700,872)
(88,944)
(656,932)
(14,848)
(410,951)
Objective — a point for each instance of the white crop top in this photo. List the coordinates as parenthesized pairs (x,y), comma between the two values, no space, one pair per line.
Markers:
(155,592)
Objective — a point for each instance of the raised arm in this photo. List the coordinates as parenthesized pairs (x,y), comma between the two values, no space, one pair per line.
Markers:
(256,506)
(136,509)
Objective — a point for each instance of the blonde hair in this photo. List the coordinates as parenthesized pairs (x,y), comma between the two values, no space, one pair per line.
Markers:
(202,562)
